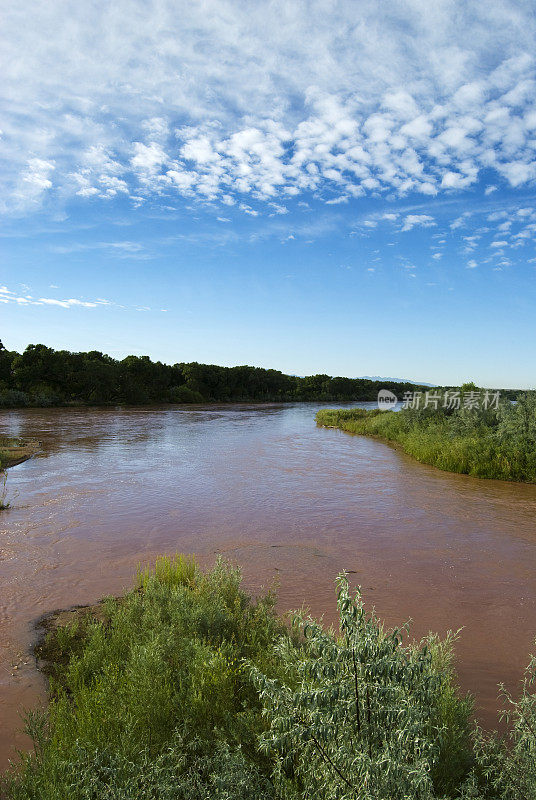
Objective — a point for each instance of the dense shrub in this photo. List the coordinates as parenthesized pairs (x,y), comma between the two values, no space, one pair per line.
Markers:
(12,398)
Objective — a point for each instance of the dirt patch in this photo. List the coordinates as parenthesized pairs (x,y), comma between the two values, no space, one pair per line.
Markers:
(52,651)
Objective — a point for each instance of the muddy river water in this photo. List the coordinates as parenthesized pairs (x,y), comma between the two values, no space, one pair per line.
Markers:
(262,485)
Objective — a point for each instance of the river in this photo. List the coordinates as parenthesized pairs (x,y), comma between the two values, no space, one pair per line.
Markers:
(264,486)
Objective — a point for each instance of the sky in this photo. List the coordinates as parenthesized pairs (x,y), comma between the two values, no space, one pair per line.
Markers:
(317,187)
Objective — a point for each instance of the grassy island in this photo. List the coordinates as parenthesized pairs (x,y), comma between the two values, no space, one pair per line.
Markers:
(15,451)
(486,442)
(188,689)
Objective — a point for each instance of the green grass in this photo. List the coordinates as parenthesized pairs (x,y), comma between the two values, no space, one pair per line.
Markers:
(494,444)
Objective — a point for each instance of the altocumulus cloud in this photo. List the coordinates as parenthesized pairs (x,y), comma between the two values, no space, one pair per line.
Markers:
(245,103)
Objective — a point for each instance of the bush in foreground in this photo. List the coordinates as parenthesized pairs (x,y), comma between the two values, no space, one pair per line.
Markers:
(187,688)
(151,699)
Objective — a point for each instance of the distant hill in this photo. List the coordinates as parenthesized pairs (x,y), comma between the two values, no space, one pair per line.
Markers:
(394,380)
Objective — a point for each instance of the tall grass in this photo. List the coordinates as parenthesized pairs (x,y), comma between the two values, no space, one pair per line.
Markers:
(498,443)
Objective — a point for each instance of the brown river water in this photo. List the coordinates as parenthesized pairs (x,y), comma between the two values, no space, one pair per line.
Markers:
(264,486)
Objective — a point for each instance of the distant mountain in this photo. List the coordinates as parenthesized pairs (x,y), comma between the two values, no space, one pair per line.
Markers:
(395,380)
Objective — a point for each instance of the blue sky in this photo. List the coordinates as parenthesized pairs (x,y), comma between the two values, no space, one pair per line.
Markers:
(333,187)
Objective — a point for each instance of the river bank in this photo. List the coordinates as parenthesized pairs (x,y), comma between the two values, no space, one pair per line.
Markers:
(495,443)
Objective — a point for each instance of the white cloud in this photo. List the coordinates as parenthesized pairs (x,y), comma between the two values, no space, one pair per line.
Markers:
(507,240)
(335,201)
(8,296)
(199,150)
(33,183)
(417,220)
(147,158)
(248,210)
(419,128)
(518,172)
(182,179)
(66,303)
(460,221)
(278,208)
(120,249)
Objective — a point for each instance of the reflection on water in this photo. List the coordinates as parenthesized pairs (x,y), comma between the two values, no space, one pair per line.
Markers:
(264,486)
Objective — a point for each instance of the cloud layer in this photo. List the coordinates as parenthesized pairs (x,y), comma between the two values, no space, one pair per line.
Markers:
(251,104)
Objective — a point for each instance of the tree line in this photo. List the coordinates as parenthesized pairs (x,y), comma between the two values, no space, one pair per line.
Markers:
(42,376)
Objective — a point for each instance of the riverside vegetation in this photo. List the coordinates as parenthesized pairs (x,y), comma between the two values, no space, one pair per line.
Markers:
(188,688)
(484,442)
